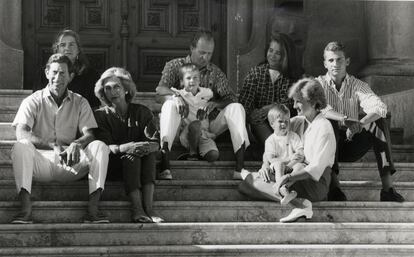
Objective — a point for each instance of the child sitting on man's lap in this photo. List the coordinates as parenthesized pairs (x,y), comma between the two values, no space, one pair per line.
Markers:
(195,135)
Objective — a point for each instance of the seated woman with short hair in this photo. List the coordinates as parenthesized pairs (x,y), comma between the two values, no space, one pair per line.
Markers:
(311,182)
(129,131)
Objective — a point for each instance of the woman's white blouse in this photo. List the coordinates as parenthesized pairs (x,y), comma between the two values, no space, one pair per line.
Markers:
(319,146)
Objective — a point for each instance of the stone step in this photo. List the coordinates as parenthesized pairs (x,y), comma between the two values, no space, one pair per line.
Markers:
(216,211)
(185,190)
(7,132)
(211,233)
(285,250)
(7,113)
(10,102)
(13,97)
(223,170)
(401,153)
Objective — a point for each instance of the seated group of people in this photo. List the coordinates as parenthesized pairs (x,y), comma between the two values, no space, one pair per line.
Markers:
(60,138)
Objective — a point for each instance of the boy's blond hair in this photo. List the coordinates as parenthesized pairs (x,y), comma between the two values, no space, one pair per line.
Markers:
(275,112)
(186,68)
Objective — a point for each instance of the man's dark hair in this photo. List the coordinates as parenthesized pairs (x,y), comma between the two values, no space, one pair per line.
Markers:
(201,33)
(60,58)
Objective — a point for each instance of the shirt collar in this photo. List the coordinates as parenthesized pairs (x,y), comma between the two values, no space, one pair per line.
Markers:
(207,67)
(331,82)
(189,93)
(317,117)
(47,94)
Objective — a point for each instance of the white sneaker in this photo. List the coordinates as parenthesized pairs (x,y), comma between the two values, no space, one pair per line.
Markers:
(244,173)
(297,213)
(289,197)
(165,175)
(240,175)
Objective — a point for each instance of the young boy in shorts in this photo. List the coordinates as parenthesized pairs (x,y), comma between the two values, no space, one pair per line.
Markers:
(195,135)
(283,150)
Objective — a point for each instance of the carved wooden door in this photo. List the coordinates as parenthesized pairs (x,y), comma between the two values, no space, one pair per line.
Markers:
(140,35)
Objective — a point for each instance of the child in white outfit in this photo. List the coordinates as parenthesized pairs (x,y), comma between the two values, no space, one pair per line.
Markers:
(283,150)
(195,135)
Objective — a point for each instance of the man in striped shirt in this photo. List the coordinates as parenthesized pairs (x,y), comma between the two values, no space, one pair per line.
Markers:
(359,119)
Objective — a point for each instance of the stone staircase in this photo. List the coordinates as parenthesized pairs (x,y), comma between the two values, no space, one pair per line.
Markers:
(206,214)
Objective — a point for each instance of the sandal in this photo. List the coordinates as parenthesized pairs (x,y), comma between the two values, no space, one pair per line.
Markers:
(142,219)
(138,216)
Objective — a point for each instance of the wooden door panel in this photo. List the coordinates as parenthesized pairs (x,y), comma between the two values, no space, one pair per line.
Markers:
(148,32)
(162,30)
(96,21)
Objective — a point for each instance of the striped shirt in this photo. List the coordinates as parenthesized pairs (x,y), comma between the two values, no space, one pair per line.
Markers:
(258,89)
(354,97)
(210,77)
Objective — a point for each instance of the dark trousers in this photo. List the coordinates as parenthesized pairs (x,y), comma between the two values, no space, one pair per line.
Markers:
(261,131)
(134,173)
(378,138)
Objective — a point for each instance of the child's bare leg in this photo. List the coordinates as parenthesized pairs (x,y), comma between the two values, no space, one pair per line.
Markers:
(194,134)
(279,169)
(287,195)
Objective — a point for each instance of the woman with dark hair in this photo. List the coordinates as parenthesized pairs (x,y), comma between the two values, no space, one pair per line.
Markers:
(311,181)
(131,134)
(67,42)
(268,83)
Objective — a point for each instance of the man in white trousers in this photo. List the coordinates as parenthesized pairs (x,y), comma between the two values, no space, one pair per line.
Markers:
(49,148)
(223,110)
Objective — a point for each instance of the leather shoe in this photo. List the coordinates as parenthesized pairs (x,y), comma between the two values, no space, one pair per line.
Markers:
(22,218)
(336,194)
(297,213)
(391,196)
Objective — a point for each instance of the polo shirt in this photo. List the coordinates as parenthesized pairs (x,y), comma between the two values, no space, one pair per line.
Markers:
(53,123)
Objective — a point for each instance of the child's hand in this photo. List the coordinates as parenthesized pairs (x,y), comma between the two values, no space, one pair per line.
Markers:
(265,174)
(201,113)
(182,106)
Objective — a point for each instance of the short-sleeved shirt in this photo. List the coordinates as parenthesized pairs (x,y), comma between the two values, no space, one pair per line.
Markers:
(53,123)
(210,77)
(195,102)
(283,148)
(112,129)
(258,89)
(354,97)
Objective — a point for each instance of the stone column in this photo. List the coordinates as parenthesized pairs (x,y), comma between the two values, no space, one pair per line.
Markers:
(246,37)
(11,51)
(390,69)
(390,46)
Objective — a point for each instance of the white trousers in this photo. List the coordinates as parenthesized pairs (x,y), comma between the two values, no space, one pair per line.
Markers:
(232,117)
(31,164)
